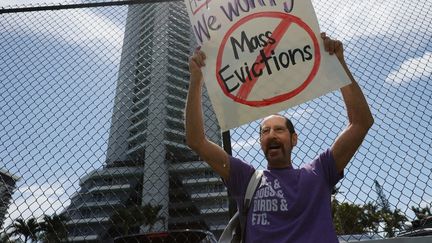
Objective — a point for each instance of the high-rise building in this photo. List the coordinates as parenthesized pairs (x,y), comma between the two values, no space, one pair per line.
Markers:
(147,159)
(7,187)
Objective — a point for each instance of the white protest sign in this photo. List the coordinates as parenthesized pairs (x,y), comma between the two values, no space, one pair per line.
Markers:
(263,56)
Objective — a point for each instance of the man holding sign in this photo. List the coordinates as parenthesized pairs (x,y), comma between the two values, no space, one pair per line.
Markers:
(289,205)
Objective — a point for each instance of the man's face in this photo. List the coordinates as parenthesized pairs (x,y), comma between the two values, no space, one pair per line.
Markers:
(276,141)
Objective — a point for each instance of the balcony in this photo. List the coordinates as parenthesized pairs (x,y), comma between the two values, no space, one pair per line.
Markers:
(209,195)
(214,210)
(194,181)
(84,238)
(88,220)
(109,188)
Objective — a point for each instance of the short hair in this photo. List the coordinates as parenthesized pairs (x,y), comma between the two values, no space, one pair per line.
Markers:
(288,124)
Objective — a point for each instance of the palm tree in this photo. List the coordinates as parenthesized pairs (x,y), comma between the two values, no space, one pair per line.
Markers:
(151,215)
(29,229)
(4,238)
(125,219)
(393,221)
(350,218)
(421,213)
(53,228)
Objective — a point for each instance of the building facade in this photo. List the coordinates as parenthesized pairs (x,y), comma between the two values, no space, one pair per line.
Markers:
(147,159)
(7,188)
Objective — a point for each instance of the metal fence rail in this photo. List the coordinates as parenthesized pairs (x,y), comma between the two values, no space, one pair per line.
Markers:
(91,122)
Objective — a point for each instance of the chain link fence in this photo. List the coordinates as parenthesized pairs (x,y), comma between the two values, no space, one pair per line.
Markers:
(92,135)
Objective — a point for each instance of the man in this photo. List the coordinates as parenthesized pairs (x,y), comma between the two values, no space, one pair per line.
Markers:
(289,205)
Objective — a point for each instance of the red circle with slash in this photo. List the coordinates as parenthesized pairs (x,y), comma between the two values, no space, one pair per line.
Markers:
(286,21)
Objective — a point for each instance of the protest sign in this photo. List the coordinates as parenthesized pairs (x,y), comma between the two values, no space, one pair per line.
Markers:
(263,56)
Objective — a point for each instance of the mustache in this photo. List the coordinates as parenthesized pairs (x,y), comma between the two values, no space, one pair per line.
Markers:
(274,143)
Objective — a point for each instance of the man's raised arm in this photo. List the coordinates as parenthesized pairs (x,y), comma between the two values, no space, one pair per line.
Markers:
(360,118)
(196,139)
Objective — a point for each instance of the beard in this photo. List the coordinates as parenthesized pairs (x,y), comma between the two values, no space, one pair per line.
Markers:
(269,152)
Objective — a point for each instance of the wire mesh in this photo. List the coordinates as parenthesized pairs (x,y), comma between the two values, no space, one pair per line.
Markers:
(92,135)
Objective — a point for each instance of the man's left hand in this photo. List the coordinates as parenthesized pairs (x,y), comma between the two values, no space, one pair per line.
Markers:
(333,47)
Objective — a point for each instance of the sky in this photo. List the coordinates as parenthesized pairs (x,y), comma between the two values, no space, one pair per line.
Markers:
(12,3)
(55,124)
(54,127)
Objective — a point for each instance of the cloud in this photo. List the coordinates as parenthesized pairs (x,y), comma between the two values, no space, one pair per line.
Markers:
(426,201)
(86,28)
(39,199)
(97,34)
(299,113)
(411,69)
(19,3)
(366,18)
(246,144)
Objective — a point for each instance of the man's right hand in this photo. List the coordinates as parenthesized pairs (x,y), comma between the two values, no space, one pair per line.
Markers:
(196,62)
(196,139)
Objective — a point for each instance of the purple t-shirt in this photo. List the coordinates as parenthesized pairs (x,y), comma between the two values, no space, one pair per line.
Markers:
(289,205)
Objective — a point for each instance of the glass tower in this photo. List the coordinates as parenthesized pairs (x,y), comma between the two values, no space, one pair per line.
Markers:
(147,159)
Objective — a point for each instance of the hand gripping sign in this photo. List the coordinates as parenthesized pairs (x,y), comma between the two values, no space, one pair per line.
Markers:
(263,56)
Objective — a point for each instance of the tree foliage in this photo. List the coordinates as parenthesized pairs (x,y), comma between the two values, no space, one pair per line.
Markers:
(349,218)
(53,228)
(151,215)
(393,221)
(423,217)
(50,229)
(4,238)
(125,220)
(421,213)
(29,229)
